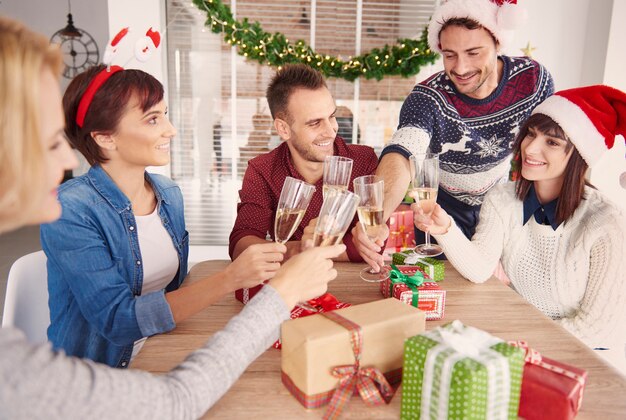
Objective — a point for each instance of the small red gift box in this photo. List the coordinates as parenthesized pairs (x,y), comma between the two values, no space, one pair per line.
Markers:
(401,233)
(430,297)
(325,303)
(244,295)
(550,389)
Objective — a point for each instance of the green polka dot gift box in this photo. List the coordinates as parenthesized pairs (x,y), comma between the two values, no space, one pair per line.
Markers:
(460,372)
(431,266)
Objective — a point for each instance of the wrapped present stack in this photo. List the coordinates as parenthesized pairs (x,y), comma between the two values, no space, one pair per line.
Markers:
(551,390)
(460,372)
(409,284)
(431,266)
(325,356)
(401,233)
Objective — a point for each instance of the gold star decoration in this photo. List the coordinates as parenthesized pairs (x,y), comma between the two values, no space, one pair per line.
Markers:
(528,50)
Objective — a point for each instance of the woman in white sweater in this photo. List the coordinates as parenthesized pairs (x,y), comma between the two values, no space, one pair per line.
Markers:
(560,241)
(36,382)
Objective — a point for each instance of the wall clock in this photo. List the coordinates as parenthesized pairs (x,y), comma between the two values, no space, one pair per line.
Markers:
(79,49)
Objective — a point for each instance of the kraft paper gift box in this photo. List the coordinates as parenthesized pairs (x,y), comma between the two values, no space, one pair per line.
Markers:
(433,267)
(409,284)
(551,390)
(325,303)
(460,372)
(315,345)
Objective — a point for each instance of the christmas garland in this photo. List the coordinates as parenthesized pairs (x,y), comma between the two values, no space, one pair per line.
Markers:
(252,42)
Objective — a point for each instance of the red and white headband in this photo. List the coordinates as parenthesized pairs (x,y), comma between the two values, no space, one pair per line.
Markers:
(143,50)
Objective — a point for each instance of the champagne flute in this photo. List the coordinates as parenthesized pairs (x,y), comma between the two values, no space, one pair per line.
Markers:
(337,172)
(370,189)
(335,217)
(425,186)
(292,204)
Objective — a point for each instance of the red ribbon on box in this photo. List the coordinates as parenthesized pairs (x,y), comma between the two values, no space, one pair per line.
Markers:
(354,376)
(324,303)
(534,358)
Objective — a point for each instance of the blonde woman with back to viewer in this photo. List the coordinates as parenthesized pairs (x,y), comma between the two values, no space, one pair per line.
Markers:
(36,382)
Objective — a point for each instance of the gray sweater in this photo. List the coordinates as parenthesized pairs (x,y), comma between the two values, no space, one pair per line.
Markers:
(36,382)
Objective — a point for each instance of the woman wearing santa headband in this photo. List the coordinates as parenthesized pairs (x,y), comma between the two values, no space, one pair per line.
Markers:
(36,382)
(118,255)
(561,242)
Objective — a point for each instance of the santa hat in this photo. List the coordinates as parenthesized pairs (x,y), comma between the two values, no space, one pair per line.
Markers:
(590,116)
(500,17)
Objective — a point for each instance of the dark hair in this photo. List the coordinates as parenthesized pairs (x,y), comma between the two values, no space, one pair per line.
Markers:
(466,23)
(574,182)
(286,81)
(107,107)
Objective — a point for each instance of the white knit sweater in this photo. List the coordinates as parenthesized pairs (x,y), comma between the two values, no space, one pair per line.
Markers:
(574,275)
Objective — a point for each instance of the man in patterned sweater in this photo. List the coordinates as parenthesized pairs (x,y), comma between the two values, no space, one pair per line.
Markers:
(469,113)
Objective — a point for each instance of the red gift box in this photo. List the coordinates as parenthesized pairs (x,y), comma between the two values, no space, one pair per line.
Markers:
(401,233)
(431,298)
(244,295)
(550,389)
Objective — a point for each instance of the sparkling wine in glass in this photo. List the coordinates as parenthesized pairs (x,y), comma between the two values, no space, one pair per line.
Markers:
(337,171)
(370,190)
(292,204)
(335,217)
(425,168)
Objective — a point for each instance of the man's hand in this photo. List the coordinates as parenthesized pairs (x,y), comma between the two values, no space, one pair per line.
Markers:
(368,249)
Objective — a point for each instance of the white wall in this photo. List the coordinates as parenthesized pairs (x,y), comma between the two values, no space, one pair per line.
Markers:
(48,16)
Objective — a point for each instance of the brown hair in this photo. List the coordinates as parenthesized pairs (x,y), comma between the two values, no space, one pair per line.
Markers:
(24,56)
(466,23)
(572,191)
(107,107)
(286,81)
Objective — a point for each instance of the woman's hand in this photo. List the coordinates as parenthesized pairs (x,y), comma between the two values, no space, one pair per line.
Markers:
(369,250)
(306,275)
(437,223)
(257,263)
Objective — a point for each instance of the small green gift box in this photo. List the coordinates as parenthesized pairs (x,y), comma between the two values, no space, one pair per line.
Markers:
(431,266)
(460,372)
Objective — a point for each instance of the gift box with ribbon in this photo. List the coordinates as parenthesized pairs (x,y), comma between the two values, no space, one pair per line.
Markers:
(329,356)
(431,266)
(244,295)
(325,303)
(460,372)
(409,284)
(551,390)
(401,233)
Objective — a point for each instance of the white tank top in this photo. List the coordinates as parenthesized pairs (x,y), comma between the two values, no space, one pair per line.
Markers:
(159,258)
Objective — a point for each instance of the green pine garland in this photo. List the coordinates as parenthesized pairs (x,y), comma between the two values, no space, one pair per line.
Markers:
(404,58)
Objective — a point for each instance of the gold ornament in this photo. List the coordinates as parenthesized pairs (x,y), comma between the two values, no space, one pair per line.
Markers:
(528,50)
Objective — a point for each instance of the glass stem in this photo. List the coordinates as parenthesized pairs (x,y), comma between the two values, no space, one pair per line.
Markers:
(427,240)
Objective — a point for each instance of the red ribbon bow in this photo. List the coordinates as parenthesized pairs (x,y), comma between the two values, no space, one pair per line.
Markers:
(353,376)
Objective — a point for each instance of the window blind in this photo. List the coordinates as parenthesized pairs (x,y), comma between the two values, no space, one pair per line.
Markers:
(217,98)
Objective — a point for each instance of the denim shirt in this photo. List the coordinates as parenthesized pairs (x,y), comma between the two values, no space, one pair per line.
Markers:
(95,271)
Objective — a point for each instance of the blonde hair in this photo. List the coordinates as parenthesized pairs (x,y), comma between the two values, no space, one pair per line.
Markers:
(24,55)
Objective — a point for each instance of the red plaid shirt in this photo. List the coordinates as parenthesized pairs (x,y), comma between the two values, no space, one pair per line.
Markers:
(264,180)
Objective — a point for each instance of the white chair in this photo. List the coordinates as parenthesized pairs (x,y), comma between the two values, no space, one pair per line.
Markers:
(26,301)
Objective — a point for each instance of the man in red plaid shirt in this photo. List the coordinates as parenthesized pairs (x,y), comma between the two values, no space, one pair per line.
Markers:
(304,117)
